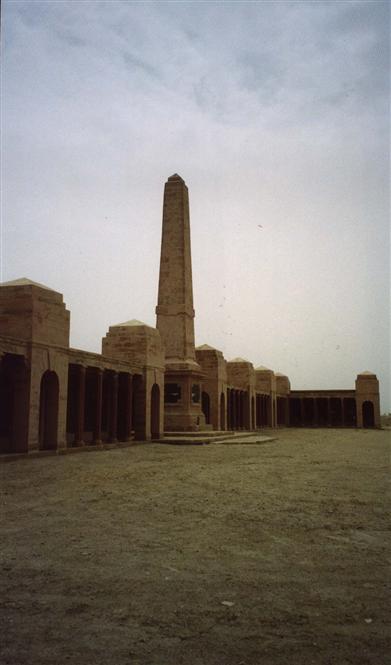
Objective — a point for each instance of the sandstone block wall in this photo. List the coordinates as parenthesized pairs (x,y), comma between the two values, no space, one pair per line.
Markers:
(29,311)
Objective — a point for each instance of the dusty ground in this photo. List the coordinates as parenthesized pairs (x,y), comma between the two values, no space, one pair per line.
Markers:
(128,556)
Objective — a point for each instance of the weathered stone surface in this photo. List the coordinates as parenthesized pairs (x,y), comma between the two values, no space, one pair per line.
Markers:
(175,313)
(33,312)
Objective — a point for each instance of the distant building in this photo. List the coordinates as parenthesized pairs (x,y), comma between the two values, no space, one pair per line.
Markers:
(147,380)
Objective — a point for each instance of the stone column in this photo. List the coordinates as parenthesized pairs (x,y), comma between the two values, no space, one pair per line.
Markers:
(128,407)
(98,407)
(286,408)
(114,408)
(175,309)
(315,420)
(328,413)
(81,392)
(175,312)
(233,395)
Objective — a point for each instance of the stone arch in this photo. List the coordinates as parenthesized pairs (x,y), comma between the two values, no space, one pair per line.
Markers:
(222,411)
(155,411)
(368,414)
(205,405)
(48,411)
(14,404)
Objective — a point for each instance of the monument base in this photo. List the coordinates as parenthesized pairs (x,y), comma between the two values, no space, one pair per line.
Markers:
(182,398)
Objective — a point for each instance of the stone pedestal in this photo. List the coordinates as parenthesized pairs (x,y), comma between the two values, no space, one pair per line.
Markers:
(182,406)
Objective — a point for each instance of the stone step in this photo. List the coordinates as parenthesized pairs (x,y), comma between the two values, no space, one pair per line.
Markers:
(199,434)
(204,438)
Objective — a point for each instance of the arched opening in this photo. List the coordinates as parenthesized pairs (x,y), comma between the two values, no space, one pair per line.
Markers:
(368,414)
(222,411)
(155,411)
(48,411)
(14,404)
(252,413)
(205,405)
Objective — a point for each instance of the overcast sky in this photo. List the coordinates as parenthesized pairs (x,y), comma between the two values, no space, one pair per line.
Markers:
(276,114)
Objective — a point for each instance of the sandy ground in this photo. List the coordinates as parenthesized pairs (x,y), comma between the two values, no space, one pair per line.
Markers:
(205,555)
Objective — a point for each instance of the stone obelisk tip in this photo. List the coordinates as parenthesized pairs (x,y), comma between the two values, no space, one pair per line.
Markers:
(175,177)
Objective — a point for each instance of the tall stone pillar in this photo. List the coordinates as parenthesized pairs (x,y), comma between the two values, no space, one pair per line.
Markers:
(128,407)
(81,396)
(97,435)
(113,424)
(175,313)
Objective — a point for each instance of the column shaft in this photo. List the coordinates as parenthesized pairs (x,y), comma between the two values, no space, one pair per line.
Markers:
(98,406)
(114,408)
(81,392)
(128,407)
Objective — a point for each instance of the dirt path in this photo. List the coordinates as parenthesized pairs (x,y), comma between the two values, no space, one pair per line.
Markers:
(270,554)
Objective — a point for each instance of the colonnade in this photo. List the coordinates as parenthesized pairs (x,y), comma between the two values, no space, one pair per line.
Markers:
(102,405)
(322,411)
(14,403)
(75,406)
(263,411)
(238,409)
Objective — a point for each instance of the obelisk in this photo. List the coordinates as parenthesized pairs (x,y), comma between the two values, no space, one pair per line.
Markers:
(175,313)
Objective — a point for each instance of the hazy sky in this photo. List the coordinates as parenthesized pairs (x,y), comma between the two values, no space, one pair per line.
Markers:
(276,114)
